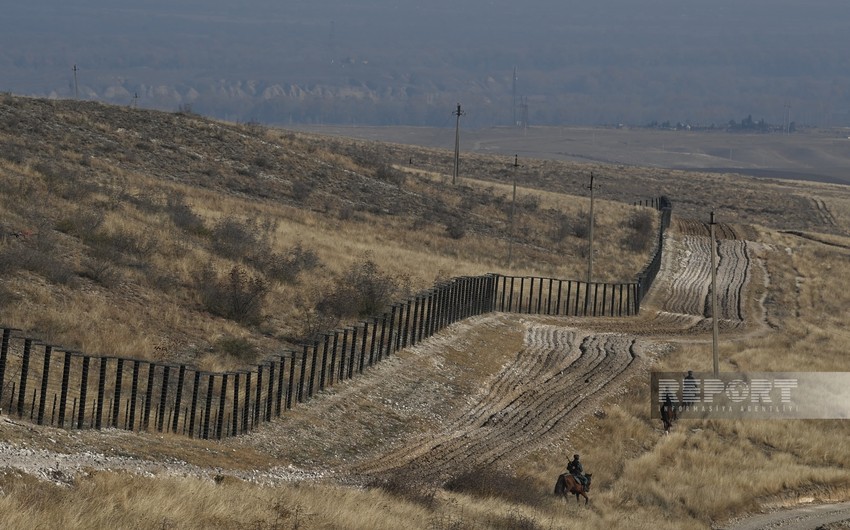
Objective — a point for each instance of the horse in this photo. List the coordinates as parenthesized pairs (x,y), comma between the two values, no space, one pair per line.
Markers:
(668,415)
(568,484)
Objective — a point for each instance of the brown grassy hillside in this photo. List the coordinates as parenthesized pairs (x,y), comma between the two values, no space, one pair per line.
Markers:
(134,233)
(123,231)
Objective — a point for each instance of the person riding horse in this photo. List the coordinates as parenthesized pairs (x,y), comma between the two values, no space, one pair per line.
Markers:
(575,469)
(668,414)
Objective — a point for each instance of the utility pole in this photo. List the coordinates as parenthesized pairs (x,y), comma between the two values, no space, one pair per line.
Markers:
(457,113)
(513,211)
(590,235)
(76,92)
(787,118)
(513,103)
(714,354)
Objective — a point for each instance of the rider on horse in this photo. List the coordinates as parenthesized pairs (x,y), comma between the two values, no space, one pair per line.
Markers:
(575,469)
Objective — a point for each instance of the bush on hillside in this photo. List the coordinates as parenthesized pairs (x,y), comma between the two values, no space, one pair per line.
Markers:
(364,290)
(641,234)
(237,296)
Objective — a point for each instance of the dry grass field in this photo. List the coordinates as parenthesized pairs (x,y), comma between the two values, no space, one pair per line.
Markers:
(111,217)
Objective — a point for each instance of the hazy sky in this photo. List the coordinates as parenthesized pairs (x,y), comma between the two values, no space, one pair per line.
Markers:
(579,61)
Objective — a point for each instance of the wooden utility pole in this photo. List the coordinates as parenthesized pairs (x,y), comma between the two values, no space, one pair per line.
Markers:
(513,102)
(714,353)
(513,211)
(76,92)
(457,113)
(590,235)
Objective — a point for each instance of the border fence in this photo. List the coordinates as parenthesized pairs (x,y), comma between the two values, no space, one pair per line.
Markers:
(50,385)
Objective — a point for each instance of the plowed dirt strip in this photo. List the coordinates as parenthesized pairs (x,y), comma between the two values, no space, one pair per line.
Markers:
(528,403)
(689,280)
(690,277)
(732,272)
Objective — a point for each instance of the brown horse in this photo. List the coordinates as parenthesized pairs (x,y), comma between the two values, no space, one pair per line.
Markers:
(568,484)
(668,415)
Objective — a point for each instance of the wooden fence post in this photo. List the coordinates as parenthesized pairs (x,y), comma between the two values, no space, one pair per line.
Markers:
(222,400)
(246,407)
(270,392)
(332,370)
(256,417)
(163,397)
(208,407)
(101,394)
(116,396)
(323,373)
(291,380)
(178,397)
(63,396)
(195,389)
(280,384)
(313,368)
(84,383)
(149,396)
(45,378)
(25,366)
(4,354)
(303,374)
(353,352)
(235,427)
(363,342)
(373,343)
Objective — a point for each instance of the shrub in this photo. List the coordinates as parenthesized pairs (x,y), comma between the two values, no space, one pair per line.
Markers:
(238,296)
(302,189)
(100,270)
(390,174)
(401,487)
(528,202)
(37,256)
(183,216)
(581,228)
(456,229)
(563,228)
(237,348)
(286,267)
(641,234)
(487,482)
(362,291)
(235,239)
(83,223)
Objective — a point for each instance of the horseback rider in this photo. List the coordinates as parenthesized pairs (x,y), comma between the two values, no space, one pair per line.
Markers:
(668,414)
(575,469)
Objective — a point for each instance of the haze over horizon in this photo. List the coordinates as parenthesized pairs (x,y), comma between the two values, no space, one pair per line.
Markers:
(380,62)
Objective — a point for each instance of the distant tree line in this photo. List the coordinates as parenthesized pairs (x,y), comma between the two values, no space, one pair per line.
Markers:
(747,124)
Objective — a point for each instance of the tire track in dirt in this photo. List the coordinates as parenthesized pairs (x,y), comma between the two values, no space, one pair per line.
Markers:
(531,400)
(689,286)
(824,214)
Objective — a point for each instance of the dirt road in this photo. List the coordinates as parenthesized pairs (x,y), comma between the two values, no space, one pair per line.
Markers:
(822,517)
